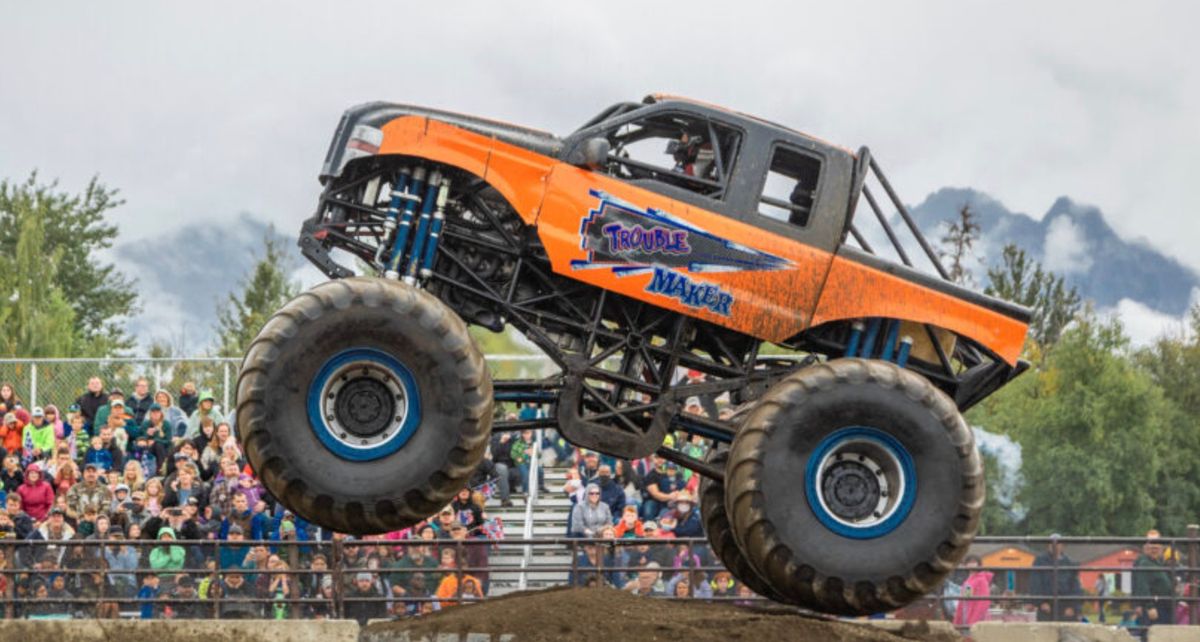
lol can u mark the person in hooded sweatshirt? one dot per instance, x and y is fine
(590, 516)
(977, 584)
(168, 556)
(37, 495)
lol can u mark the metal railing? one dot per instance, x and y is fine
(532, 486)
(304, 579)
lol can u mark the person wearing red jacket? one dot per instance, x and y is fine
(629, 525)
(10, 433)
(37, 495)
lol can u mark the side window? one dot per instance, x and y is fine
(682, 150)
(790, 186)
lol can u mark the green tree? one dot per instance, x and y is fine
(1173, 363)
(266, 289)
(75, 229)
(36, 317)
(959, 245)
(1022, 280)
(1092, 429)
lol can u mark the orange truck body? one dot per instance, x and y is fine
(790, 286)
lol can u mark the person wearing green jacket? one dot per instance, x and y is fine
(167, 557)
(207, 408)
(1153, 581)
(38, 437)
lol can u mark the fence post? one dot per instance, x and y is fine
(33, 384)
(225, 392)
(214, 585)
(1193, 531)
(157, 377)
(1054, 581)
(337, 579)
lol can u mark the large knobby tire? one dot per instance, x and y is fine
(720, 534)
(364, 405)
(807, 504)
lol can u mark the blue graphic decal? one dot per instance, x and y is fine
(690, 293)
(628, 240)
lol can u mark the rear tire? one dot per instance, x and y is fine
(855, 487)
(720, 533)
(364, 405)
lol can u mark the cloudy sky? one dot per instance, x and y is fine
(200, 112)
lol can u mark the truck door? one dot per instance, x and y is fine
(656, 224)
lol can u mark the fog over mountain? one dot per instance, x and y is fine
(185, 275)
(1073, 240)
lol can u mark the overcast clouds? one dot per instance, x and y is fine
(200, 111)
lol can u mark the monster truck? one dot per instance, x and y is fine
(668, 256)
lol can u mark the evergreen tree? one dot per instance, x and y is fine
(35, 315)
(1022, 280)
(265, 291)
(959, 244)
(75, 230)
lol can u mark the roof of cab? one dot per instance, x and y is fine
(661, 97)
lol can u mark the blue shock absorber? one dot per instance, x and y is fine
(418, 247)
(399, 183)
(889, 341)
(905, 348)
(869, 340)
(411, 198)
(435, 230)
(856, 330)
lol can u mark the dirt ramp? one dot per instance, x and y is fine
(602, 614)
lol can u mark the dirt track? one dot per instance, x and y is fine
(607, 615)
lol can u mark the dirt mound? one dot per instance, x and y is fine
(607, 614)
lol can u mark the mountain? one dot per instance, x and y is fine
(184, 275)
(1073, 240)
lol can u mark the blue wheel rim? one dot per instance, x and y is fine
(894, 457)
(398, 380)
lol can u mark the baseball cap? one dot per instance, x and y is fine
(115, 392)
(10, 418)
(121, 487)
(363, 577)
(155, 406)
(38, 411)
(91, 465)
(207, 395)
(235, 529)
(73, 408)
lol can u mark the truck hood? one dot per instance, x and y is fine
(376, 114)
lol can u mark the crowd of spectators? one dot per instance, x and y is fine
(109, 483)
(652, 501)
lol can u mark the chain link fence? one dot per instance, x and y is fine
(39, 382)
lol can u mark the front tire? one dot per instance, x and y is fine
(364, 405)
(855, 487)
